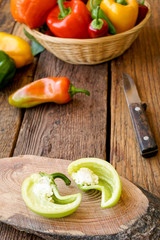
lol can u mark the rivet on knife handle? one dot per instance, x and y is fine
(144, 134)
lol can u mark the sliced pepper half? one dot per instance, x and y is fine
(40, 193)
(94, 173)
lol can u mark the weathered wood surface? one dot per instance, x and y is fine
(78, 129)
(67, 131)
(132, 209)
(142, 62)
(52, 130)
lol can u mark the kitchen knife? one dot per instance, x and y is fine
(137, 109)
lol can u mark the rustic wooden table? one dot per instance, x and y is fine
(98, 125)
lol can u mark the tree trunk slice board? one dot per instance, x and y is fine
(142, 63)
(89, 221)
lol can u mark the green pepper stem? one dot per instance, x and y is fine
(62, 176)
(63, 11)
(73, 90)
(141, 2)
(97, 15)
(57, 175)
(91, 3)
(122, 2)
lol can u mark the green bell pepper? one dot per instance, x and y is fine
(94, 173)
(102, 15)
(7, 69)
(40, 193)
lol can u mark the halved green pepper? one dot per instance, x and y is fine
(40, 193)
(94, 173)
(7, 69)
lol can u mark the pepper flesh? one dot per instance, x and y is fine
(71, 22)
(32, 13)
(98, 32)
(142, 12)
(17, 48)
(7, 69)
(123, 17)
(40, 193)
(52, 89)
(109, 181)
(98, 27)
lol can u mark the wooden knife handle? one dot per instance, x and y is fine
(144, 134)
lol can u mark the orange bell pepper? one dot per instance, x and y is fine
(51, 89)
(123, 17)
(32, 13)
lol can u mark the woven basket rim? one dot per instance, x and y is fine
(51, 39)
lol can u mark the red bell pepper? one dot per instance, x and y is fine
(98, 27)
(142, 12)
(69, 19)
(52, 89)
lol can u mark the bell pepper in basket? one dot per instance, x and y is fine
(98, 27)
(52, 89)
(69, 19)
(17, 48)
(40, 193)
(123, 14)
(95, 173)
(101, 15)
(32, 13)
(142, 11)
(7, 69)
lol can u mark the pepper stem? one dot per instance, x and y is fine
(63, 11)
(122, 2)
(62, 176)
(141, 2)
(91, 3)
(97, 23)
(57, 175)
(94, 4)
(73, 90)
(97, 15)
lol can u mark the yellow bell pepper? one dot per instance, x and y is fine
(17, 48)
(123, 17)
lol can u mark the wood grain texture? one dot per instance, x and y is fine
(142, 63)
(73, 130)
(6, 20)
(82, 224)
(41, 142)
(11, 120)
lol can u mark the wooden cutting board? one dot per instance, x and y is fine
(136, 210)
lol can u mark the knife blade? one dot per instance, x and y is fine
(145, 138)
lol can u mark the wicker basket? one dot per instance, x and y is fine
(90, 51)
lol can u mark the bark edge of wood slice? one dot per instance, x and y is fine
(137, 212)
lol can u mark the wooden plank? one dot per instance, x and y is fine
(141, 61)
(6, 20)
(73, 130)
(7, 128)
(11, 120)
(11, 117)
